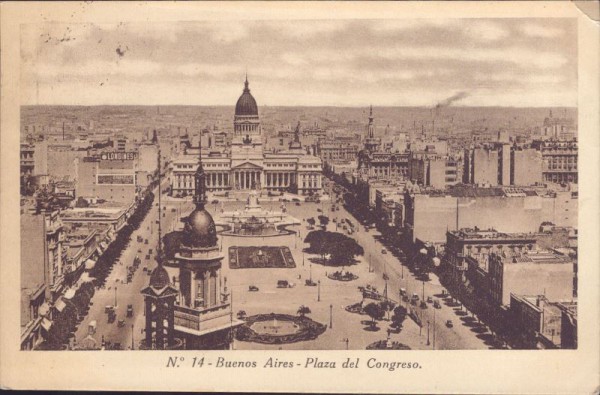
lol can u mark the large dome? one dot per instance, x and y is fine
(246, 105)
(200, 229)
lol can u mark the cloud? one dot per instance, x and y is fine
(486, 31)
(98, 68)
(535, 30)
(398, 62)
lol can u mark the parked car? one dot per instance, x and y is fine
(384, 251)
(423, 304)
(284, 284)
(402, 291)
(437, 304)
(429, 299)
(252, 288)
(449, 324)
(129, 310)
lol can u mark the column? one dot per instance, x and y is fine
(206, 288)
(171, 320)
(159, 327)
(193, 290)
(148, 322)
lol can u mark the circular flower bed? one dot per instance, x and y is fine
(339, 276)
(355, 308)
(306, 329)
(383, 345)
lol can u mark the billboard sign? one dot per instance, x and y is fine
(119, 155)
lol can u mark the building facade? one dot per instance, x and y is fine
(532, 273)
(245, 164)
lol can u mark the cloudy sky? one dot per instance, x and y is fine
(488, 62)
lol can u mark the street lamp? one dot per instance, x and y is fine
(428, 332)
(115, 296)
(423, 289)
(346, 340)
(318, 290)
(132, 343)
(434, 329)
(330, 316)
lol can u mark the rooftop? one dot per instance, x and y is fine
(536, 256)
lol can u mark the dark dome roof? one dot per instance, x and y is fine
(200, 229)
(246, 105)
(159, 278)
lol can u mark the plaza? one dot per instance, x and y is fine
(327, 300)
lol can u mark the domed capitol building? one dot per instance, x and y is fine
(245, 165)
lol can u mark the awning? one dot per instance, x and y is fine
(89, 264)
(60, 305)
(46, 324)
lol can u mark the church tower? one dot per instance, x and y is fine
(203, 316)
(371, 143)
(159, 296)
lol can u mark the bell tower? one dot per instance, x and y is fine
(159, 295)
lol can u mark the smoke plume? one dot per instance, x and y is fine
(451, 99)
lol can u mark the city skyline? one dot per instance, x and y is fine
(349, 63)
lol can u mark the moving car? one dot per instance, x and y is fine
(384, 251)
(449, 324)
(129, 310)
(252, 288)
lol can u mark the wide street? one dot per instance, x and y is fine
(116, 288)
(326, 301)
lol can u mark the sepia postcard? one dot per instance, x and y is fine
(359, 197)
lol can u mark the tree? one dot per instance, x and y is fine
(303, 310)
(387, 305)
(340, 248)
(311, 221)
(324, 220)
(81, 203)
(399, 315)
(374, 311)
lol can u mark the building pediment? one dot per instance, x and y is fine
(247, 166)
